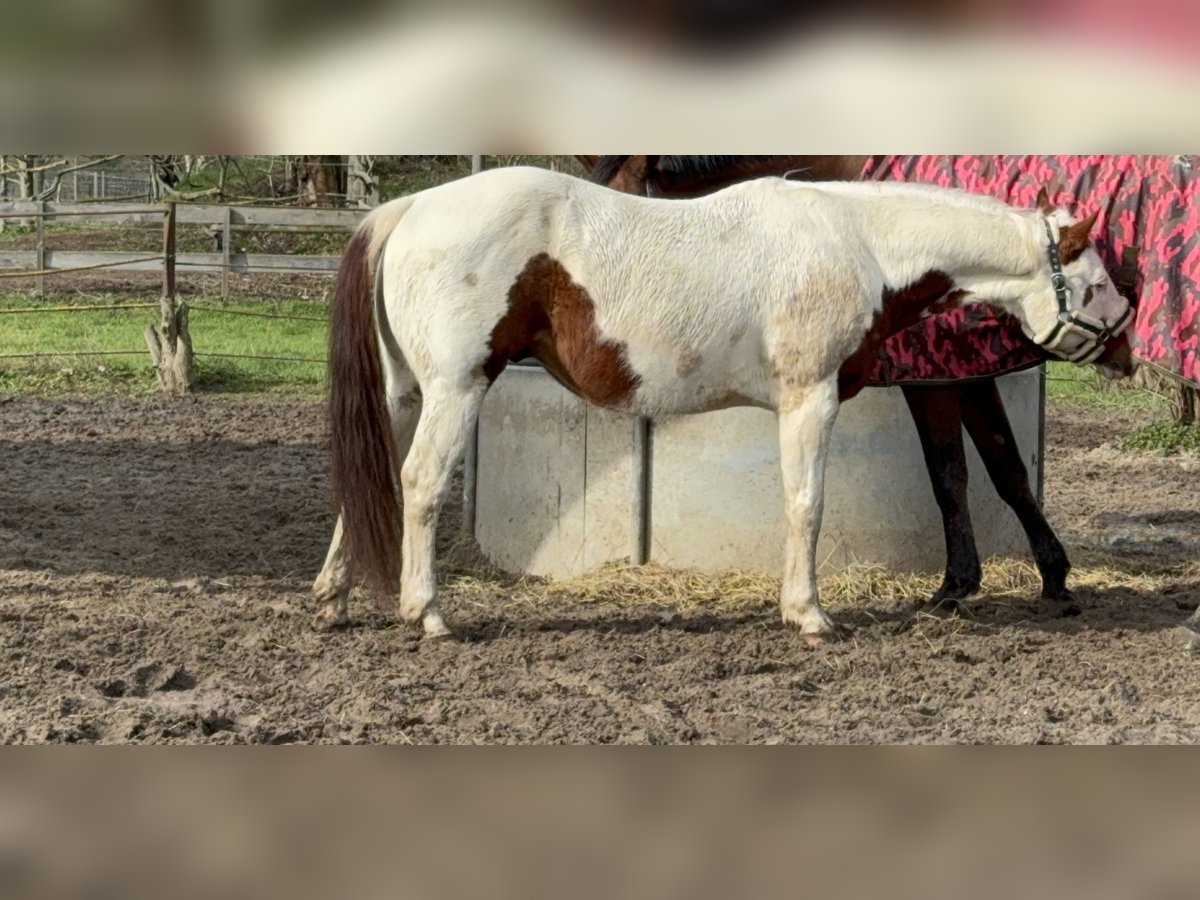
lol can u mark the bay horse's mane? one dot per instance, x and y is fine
(702, 174)
(607, 168)
(698, 166)
(674, 169)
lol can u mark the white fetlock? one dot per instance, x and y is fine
(412, 613)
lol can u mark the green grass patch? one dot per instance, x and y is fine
(62, 340)
(1084, 386)
(1164, 439)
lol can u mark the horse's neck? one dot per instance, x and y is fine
(980, 249)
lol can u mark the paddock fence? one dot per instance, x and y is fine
(221, 221)
(169, 344)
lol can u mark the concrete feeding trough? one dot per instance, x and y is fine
(562, 487)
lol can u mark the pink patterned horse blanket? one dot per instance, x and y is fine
(1145, 202)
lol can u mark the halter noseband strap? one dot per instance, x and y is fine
(1090, 333)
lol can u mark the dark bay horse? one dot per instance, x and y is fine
(940, 412)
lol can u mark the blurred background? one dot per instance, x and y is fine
(261, 75)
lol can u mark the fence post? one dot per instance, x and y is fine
(1184, 405)
(226, 252)
(169, 251)
(639, 550)
(471, 462)
(41, 246)
(170, 344)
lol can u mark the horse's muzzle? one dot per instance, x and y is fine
(1079, 337)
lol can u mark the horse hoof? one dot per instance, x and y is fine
(1057, 593)
(835, 635)
(810, 621)
(329, 619)
(435, 628)
(1191, 634)
(823, 639)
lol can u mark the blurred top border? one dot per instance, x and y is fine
(763, 76)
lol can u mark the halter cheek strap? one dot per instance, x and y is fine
(1089, 333)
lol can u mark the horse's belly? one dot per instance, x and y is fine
(689, 380)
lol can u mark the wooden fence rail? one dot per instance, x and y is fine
(221, 220)
(187, 214)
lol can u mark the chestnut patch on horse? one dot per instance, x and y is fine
(933, 291)
(553, 319)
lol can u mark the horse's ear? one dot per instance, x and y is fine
(1075, 238)
(1043, 202)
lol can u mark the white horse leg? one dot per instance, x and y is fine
(332, 586)
(447, 419)
(805, 421)
(1193, 626)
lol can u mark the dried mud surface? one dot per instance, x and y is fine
(155, 560)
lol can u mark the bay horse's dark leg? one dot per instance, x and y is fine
(987, 423)
(938, 417)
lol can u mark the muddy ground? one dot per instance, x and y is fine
(155, 559)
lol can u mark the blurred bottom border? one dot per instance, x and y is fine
(976, 822)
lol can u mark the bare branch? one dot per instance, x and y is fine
(69, 168)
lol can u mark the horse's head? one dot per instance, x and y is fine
(1079, 314)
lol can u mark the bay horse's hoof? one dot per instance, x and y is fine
(1058, 593)
(952, 591)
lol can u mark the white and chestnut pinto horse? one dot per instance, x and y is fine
(756, 295)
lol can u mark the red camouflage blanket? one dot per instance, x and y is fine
(1148, 202)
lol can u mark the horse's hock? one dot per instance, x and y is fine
(560, 482)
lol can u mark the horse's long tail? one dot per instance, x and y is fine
(363, 467)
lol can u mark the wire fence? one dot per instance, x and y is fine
(223, 220)
(84, 206)
(93, 186)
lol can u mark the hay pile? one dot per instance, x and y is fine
(467, 575)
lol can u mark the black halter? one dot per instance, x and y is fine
(1096, 334)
